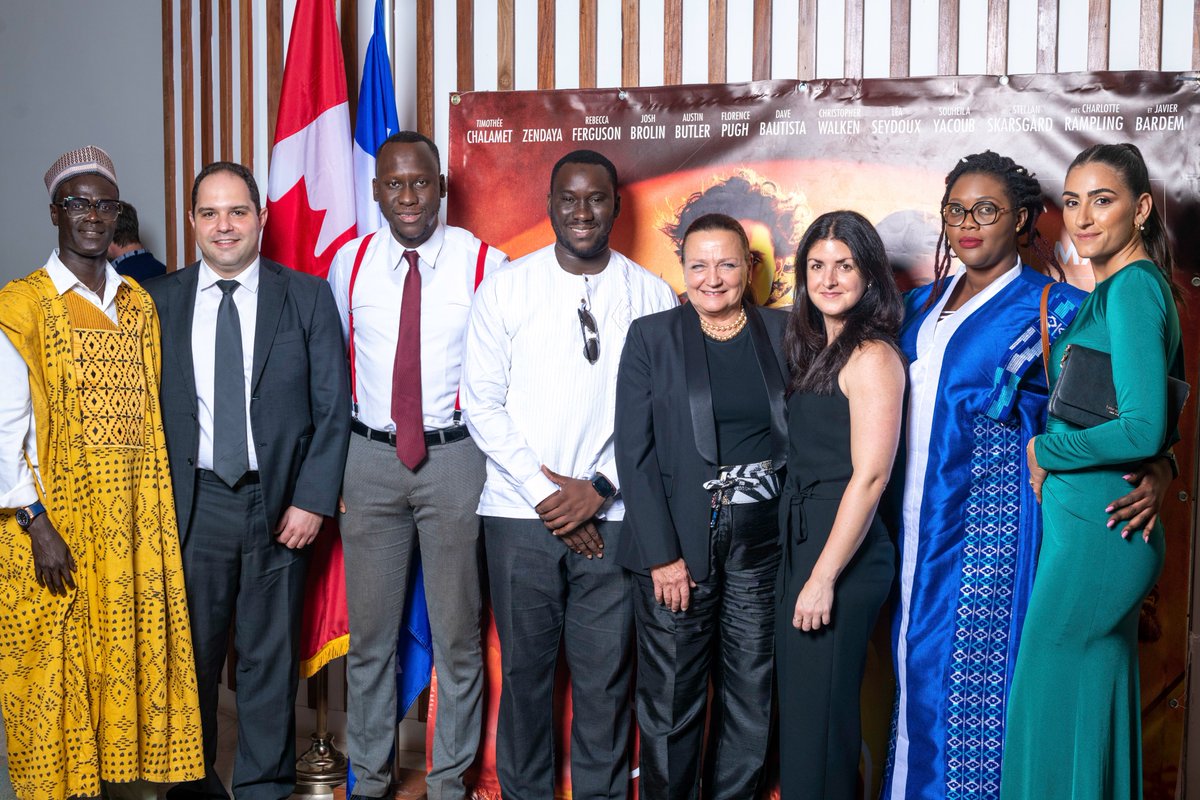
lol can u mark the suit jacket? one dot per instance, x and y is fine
(299, 390)
(141, 267)
(666, 436)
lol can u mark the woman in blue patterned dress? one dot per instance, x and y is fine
(969, 524)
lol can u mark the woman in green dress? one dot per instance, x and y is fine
(1074, 721)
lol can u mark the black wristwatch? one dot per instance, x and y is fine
(26, 515)
(603, 486)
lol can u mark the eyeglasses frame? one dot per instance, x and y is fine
(970, 212)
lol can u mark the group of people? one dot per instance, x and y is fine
(700, 489)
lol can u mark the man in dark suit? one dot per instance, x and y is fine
(127, 253)
(254, 396)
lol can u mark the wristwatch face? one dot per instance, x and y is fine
(603, 486)
(23, 518)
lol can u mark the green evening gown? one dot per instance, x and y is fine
(1074, 719)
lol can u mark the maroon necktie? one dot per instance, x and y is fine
(406, 371)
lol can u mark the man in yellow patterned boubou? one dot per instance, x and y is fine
(97, 679)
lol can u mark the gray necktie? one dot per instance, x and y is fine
(230, 459)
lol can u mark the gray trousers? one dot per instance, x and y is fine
(389, 508)
(544, 594)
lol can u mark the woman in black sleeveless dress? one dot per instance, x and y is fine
(844, 411)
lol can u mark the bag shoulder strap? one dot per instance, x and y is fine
(1046, 331)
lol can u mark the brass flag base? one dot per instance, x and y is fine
(322, 766)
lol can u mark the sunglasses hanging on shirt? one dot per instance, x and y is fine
(591, 336)
(587, 324)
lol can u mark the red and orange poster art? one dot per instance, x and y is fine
(775, 155)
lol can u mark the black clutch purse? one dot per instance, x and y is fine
(1085, 395)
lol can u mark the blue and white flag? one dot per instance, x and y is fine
(377, 120)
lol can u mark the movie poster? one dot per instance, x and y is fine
(775, 154)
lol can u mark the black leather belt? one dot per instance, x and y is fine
(432, 438)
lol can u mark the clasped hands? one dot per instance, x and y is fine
(570, 514)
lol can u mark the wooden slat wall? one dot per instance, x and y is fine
(168, 84)
(806, 41)
(1196, 42)
(274, 61)
(506, 45)
(465, 56)
(948, 37)
(187, 102)
(717, 33)
(545, 44)
(246, 86)
(1097, 50)
(673, 42)
(1150, 35)
(225, 65)
(348, 25)
(218, 93)
(630, 43)
(587, 43)
(853, 58)
(901, 19)
(997, 37)
(760, 69)
(1047, 36)
(425, 66)
(206, 83)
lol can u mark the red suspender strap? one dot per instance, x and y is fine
(480, 263)
(358, 259)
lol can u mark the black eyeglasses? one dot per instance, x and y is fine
(80, 206)
(591, 336)
(984, 212)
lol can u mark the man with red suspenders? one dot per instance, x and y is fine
(413, 474)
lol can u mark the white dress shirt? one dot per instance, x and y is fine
(447, 262)
(204, 350)
(18, 439)
(529, 394)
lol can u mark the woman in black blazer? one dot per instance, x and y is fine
(701, 439)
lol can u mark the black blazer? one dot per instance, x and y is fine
(141, 267)
(666, 437)
(299, 390)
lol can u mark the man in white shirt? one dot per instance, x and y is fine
(254, 393)
(413, 474)
(543, 346)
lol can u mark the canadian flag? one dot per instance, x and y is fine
(310, 187)
(310, 199)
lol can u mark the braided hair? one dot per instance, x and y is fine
(1126, 160)
(1023, 192)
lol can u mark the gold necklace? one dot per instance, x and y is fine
(723, 333)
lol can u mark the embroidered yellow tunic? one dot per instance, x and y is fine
(101, 683)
